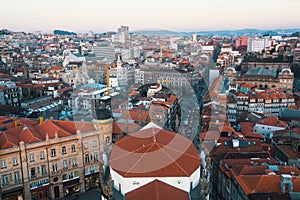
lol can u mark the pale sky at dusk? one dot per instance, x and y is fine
(185, 15)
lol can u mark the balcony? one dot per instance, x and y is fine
(44, 173)
(55, 172)
(5, 184)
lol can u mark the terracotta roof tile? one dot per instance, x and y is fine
(29, 131)
(8, 140)
(254, 184)
(154, 152)
(210, 135)
(157, 190)
(272, 121)
(289, 151)
(121, 127)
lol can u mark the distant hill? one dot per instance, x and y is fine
(62, 32)
(247, 32)
(158, 32)
(5, 32)
(296, 34)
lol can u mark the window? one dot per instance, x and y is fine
(73, 149)
(15, 161)
(3, 164)
(74, 162)
(32, 172)
(42, 155)
(94, 143)
(107, 139)
(65, 164)
(86, 145)
(64, 150)
(54, 167)
(17, 176)
(4, 179)
(87, 158)
(43, 169)
(31, 157)
(96, 156)
(53, 152)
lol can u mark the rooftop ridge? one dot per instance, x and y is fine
(175, 161)
(140, 158)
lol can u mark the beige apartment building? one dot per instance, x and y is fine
(53, 158)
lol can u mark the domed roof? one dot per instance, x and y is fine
(103, 113)
(154, 152)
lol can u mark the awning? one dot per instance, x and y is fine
(71, 183)
(40, 188)
(16, 189)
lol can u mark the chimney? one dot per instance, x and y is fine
(286, 179)
(17, 123)
(41, 119)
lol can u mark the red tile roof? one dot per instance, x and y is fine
(246, 127)
(210, 135)
(30, 131)
(272, 121)
(135, 114)
(154, 152)
(223, 149)
(8, 140)
(254, 135)
(59, 68)
(72, 127)
(254, 184)
(226, 129)
(287, 149)
(247, 85)
(122, 127)
(157, 190)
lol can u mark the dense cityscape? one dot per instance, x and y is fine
(150, 115)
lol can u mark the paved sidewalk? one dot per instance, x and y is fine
(90, 195)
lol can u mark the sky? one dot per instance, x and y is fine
(183, 15)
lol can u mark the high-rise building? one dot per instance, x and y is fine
(106, 52)
(123, 32)
(258, 44)
(122, 36)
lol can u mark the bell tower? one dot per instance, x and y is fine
(103, 123)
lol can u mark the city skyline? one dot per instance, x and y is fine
(191, 15)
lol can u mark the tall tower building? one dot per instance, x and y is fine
(103, 122)
(194, 37)
(123, 33)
